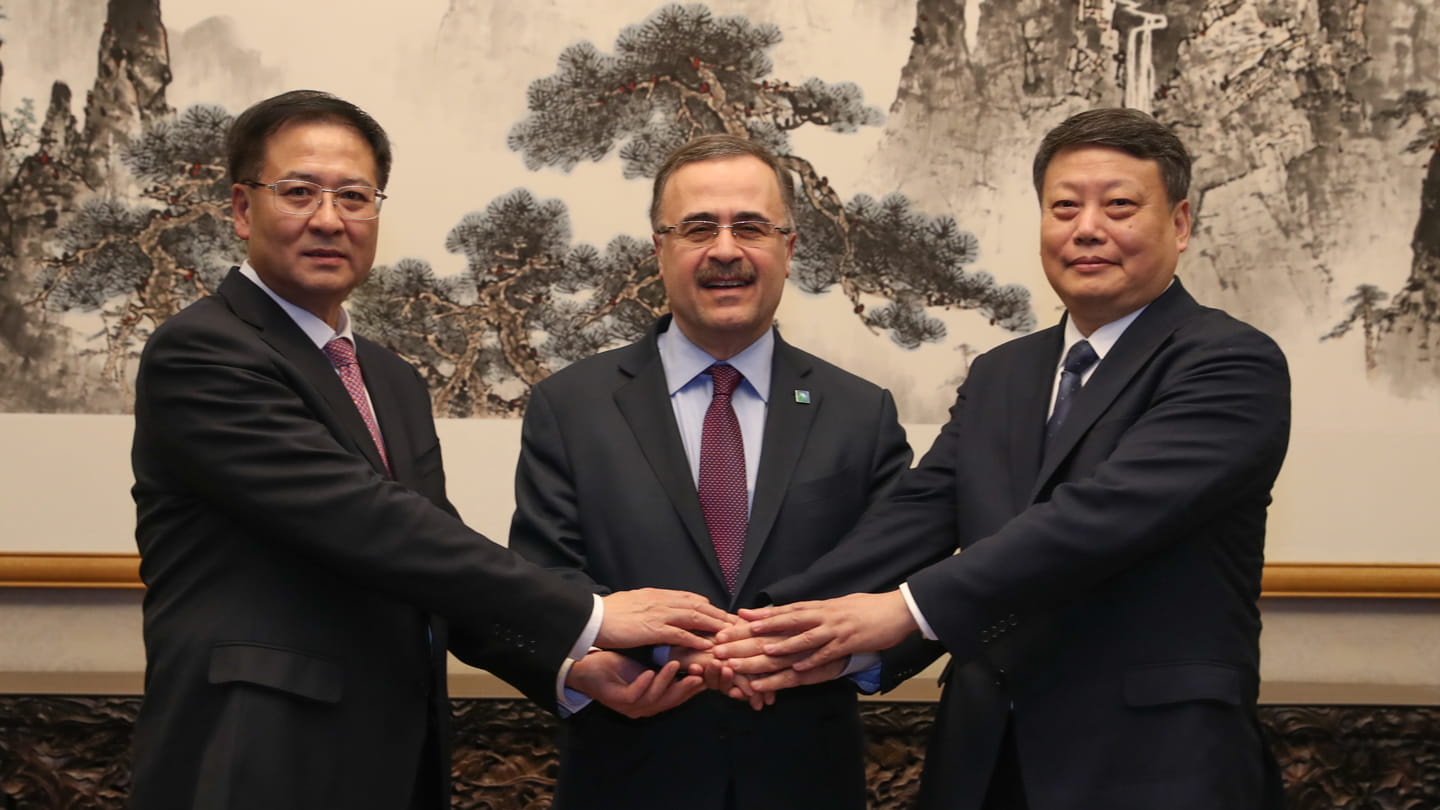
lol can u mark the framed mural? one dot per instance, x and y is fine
(515, 240)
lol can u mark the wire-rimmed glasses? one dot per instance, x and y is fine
(301, 198)
(698, 232)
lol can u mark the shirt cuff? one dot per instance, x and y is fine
(925, 629)
(863, 670)
(569, 700)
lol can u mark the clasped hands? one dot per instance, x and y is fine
(748, 657)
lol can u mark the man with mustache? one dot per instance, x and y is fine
(713, 457)
(1105, 482)
(305, 572)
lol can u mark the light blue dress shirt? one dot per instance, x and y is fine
(691, 389)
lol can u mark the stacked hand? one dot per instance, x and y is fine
(628, 686)
(657, 616)
(758, 652)
(808, 642)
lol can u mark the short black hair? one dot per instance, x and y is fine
(719, 147)
(1131, 131)
(245, 142)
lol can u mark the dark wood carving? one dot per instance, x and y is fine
(59, 753)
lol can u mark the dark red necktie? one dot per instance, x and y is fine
(342, 355)
(722, 475)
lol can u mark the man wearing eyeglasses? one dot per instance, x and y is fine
(305, 571)
(711, 456)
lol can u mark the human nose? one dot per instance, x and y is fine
(1089, 226)
(725, 248)
(326, 216)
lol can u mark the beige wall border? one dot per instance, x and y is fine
(1282, 579)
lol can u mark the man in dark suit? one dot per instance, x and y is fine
(305, 571)
(1109, 507)
(617, 488)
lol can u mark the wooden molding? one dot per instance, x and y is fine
(1282, 579)
(65, 570)
(1352, 580)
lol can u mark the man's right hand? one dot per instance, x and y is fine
(657, 616)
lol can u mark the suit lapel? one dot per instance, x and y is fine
(276, 328)
(1130, 354)
(644, 401)
(388, 413)
(787, 425)
(1029, 398)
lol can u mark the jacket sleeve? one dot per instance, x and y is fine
(223, 416)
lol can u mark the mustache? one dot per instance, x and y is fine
(712, 273)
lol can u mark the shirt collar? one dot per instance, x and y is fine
(1104, 338)
(683, 360)
(314, 328)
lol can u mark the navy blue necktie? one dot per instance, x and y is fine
(1080, 357)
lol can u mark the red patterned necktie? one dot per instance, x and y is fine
(722, 475)
(342, 355)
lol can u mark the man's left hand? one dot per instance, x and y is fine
(630, 688)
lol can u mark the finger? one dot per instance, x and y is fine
(830, 652)
(790, 622)
(633, 690)
(719, 677)
(666, 692)
(812, 639)
(736, 631)
(741, 682)
(690, 601)
(676, 636)
(755, 614)
(698, 619)
(743, 648)
(661, 682)
(757, 700)
(758, 663)
(784, 679)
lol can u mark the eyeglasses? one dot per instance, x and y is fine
(301, 198)
(702, 232)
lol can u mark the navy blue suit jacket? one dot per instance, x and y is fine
(1106, 584)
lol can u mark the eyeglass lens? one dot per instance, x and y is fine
(303, 197)
(701, 232)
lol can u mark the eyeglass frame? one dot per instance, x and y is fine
(380, 198)
(784, 230)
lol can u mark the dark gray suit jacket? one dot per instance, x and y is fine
(605, 497)
(1106, 586)
(293, 654)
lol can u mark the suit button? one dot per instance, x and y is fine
(1000, 676)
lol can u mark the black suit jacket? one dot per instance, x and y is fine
(1106, 585)
(605, 497)
(292, 655)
